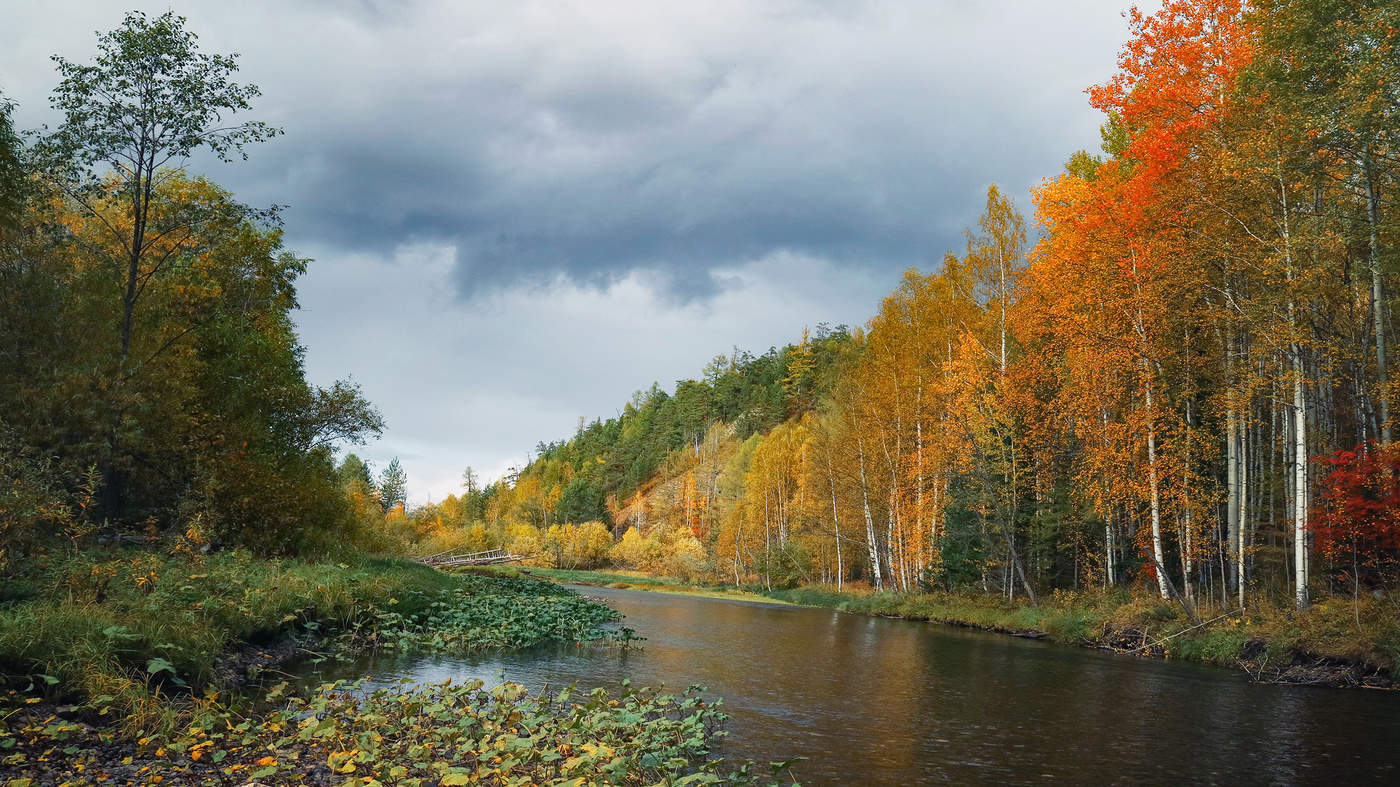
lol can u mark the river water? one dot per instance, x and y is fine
(878, 701)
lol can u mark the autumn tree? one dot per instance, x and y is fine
(1358, 513)
(1133, 400)
(13, 172)
(1332, 69)
(987, 277)
(148, 102)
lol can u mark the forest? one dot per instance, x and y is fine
(1176, 376)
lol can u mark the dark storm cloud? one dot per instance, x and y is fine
(522, 212)
(600, 139)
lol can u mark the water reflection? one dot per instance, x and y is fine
(875, 701)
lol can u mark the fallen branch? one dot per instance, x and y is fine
(1183, 631)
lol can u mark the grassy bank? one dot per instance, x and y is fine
(128, 630)
(636, 580)
(1335, 642)
(124, 628)
(121, 666)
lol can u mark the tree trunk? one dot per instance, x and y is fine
(1232, 479)
(1020, 572)
(1155, 496)
(1109, 568)
(835, 521)
(1378, 301)
(871, 544)
(1242, 499)
(897, 577)
(1300, 482)
(919, 488)
(1300, 416)
(767, 545)
(1187, 541)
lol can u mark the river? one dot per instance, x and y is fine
(878, 701)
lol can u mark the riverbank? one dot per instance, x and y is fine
(623, 579)
(131, 666)
(1336, 642)
(126, 627)
(408, 734)
(1333, 643)
(874, 700)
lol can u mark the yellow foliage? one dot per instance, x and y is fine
(523, 539)
(638, 551)
(577, 546)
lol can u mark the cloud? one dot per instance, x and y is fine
(596, 139)
(523, 211)
(481, 383)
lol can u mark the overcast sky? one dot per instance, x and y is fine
(522, 212)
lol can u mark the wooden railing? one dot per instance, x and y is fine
(457, 557)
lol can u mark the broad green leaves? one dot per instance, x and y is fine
(150, 100)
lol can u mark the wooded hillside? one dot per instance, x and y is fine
(1179, 377)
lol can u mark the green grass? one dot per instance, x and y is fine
(636, 580)
(134, 637)
(1364, 633)
(585, 577)
(126, 630)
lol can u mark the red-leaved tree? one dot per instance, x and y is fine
(1357, 518)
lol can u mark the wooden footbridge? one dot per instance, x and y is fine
(459, 557)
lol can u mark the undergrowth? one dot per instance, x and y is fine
(409, 734)
(132, 634)
(135, 638)
(1363, 632)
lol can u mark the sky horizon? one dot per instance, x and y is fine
(522, 213)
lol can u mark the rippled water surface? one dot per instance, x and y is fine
(877, 701)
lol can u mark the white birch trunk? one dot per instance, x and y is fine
(1154, 493)
(1187, 559)
(871, 544)
(1232, 480)
(896, 566)
(1300, 482)
(1300, 419)
(767, 545)
(1155, 497)
(919, 489)
(1108, 551)
(1378, 302)
(1242, 499)
(835, 521)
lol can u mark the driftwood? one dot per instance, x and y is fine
(1147, 647)
(457, 557)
